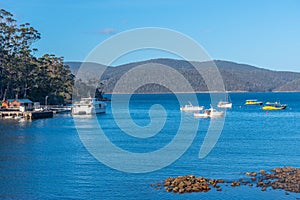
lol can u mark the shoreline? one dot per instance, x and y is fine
(205, 92)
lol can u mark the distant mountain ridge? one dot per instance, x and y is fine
(236, 77)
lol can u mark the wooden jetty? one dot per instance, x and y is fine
(26, 114)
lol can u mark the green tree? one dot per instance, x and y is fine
(24, 75)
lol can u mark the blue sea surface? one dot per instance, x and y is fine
(45, 159)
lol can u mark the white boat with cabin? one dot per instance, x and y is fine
(88, 106)
(209, 113)
(190, 108)
(225, 104)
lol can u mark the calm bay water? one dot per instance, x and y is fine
(45, 159)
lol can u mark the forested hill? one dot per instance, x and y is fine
(236, 77)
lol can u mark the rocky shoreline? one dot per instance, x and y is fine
(285, 178)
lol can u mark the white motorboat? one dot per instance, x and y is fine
(209, 113)
(190, 108)
(88, 106)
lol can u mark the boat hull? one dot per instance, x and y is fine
(225, 105)
(255, 104)
(204, 115)
(191, 109)
(88, 111)
(273, 108)
(209, 113)
(201, 115)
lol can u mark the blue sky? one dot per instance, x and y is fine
(264, 33)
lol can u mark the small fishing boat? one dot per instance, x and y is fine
(190, 108)
(274, 106)
(209, 113)
(88, 106)
(253, 102)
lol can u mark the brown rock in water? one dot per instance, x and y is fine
(285, 169)
(285, 178)
(260, 183)
(168, 181)
(188, 183)
(173, 184)
(277, 170)
(188, 189)
(253, 174)
(221, 181)
(191, 176)
(181, 190)
(205, 187)
(235, 183)
(175, 189)
(268, 176)
(196, 189)
(181, 185)
(213, 182)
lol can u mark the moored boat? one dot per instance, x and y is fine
(209, 113)
(88, 106)
(274, 106)
(225, 104)
(190, 108)
(253, 102)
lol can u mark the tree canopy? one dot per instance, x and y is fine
(22, 74)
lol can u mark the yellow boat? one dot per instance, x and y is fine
(274, 106)
(253, 102)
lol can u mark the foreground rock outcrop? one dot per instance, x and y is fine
(285, 178)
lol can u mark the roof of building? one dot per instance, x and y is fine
(20, 100)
